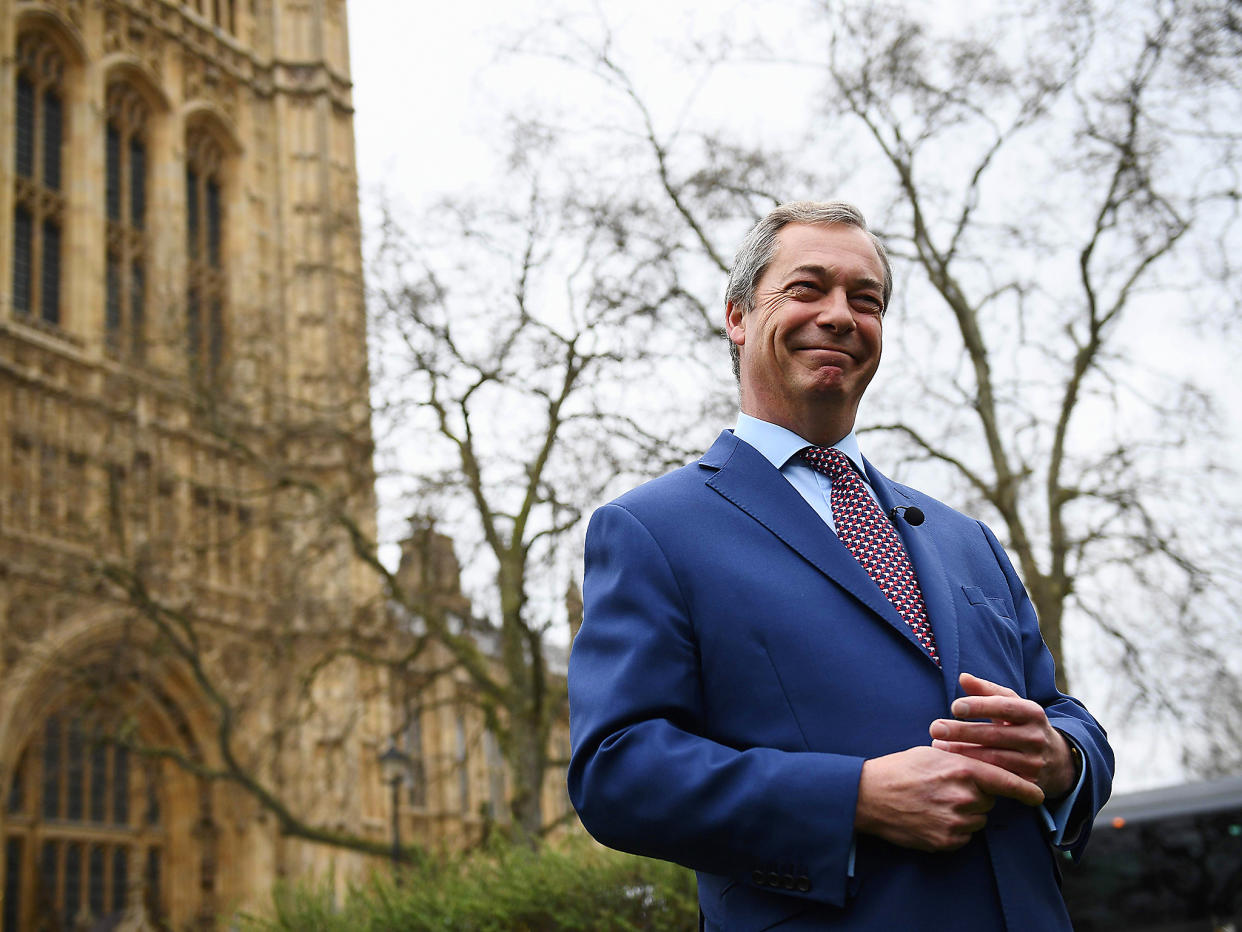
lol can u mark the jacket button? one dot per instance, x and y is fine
(774, 880)
(787, 881)
(758, 877)
(804, 884)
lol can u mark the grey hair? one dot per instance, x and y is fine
(759, 247)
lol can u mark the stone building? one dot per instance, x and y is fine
(459, 788)
(186, 710)
(184, 440)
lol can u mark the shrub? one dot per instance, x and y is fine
(574, 886)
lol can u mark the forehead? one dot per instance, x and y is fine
(839, 248)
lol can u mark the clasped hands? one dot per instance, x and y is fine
(934, 798)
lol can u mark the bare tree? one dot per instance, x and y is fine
(515, 340)
(1058, 188)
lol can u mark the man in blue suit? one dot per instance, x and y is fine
(825, 692)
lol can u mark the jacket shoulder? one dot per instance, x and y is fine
(681, 485)
(665, 490)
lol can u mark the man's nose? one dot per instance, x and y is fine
(834, 311)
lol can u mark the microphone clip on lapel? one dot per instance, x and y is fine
(912, 513)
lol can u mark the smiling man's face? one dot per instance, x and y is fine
(811, 345)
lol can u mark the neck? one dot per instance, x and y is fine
(822, 428)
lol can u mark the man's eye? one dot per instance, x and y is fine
(868, 303)
(803, 287)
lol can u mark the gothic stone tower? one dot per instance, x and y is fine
(183, 440)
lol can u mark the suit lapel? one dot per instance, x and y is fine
(928, 567)
(745, 478)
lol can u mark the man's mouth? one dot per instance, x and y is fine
(829, 350)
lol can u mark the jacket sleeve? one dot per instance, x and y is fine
(645, 774)
(1065, 713)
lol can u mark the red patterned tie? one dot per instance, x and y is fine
(873, 540)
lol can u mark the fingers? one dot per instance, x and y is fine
(924, 798)
(1012, 709)
(1019, 737)
(1007, 732)
(998, 781)
(977, 686)
(985, 699)
(1024, 765)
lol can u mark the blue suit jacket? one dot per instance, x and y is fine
(736, 666)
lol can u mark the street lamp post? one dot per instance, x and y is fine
(395, 770)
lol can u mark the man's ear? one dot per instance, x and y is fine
(735, 323)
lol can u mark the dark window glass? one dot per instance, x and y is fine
(52, 132)
(113, 173)
(73, 883)
(49, 297)
(39, 209)
(112, 302)
(23, 249)
(153, 802)
(12, 885)
(95, 881)
(137, 298)
(216, 349)
(194, 328)
(213, 224)
(17, 789)
(153, 881)
(99, 782)
(137, 183)
(191, 212)
(120, 875)
(25, 127)
(75, 771)
(51, 769)
(120, 787)
(49, 862)
(126, 190)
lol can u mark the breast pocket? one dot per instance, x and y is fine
(991, 643)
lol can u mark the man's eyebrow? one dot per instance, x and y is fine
(830, 272)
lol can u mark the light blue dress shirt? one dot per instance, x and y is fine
(779, 446)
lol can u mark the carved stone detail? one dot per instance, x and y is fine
(206, 80)
(134, 31)
(71, 9)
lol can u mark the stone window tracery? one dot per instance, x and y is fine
(84, 832)
(39, 201)
(126, 204)
(220, 13)
(205, 221)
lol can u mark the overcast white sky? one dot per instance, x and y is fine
(430, 81)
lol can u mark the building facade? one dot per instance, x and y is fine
(459, 788)
(184, 445)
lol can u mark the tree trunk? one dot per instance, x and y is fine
(527, 762)
(1048, 596)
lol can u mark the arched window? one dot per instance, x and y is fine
(84, 833)
(39, 202)
(126, 203)
(205, 297)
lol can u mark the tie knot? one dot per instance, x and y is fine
(829, 460)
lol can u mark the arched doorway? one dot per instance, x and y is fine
(98, 822)
(84, 829)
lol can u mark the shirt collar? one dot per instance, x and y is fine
(779, 444)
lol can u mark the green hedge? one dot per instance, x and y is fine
(575, 886)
